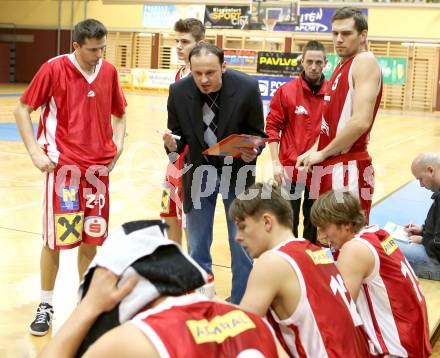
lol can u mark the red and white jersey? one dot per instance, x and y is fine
(173, 179)
(338, 107)
(192, 326)
(391, 303)
(181, 73)
(76, 108)
(325, 322)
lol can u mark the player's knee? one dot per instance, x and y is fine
(87, 250)
(46, 251)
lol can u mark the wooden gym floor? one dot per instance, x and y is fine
(135, 194)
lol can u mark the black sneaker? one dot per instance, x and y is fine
(43, 320)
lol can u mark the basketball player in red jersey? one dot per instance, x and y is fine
(378, 276)
(189, 32)
(341, 160)
(294, 282)
(81, 133)
(175, 327)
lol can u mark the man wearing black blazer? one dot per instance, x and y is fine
(203, 109)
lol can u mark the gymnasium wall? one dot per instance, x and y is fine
(408, 20)
(4, 62)
(30, 55)
(40, 18)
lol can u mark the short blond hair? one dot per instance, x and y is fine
(337, 207)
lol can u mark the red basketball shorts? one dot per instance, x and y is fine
(76, 208)
(172, 198)
(355, 176)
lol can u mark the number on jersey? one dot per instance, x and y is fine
(408, 272)
(338, 286)
(335, 84)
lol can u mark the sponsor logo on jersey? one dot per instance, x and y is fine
(389, 245)
(320, 257)
(221, 327)
(91, 94)
(300, 110)
(165, 203)
(95, 226)
(324, 127)
(69, 198)
(251, 353)
(68, 228)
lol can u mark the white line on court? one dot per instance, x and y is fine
(6, 210)
(12, 153)
(27, 183)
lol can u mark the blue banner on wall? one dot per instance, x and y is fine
(270, 84)
(164, 16)
(313, 19)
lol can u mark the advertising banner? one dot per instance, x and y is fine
(279, 63)
(393, 68)
(269, 85)
(332, 62)
(240, 57)
(157, 79)
(317, 19)
(287, 18)
(124, 75)
(227, 17)
(163, 16)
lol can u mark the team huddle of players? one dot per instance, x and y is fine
(297, 301)
(368, 305)
(371, 303)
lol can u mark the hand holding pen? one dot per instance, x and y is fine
(169, 139)
(413, 229)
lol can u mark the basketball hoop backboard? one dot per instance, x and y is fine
(275, 14)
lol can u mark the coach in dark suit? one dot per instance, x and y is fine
(203, 109)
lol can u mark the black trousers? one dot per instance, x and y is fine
(309, 231)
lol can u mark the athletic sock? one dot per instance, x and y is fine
(46, 297)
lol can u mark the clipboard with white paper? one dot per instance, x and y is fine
(397, 232)
(229, 145)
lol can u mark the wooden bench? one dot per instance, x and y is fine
(431, 290)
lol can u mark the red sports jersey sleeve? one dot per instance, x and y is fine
(118, 99)
(40, 88)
